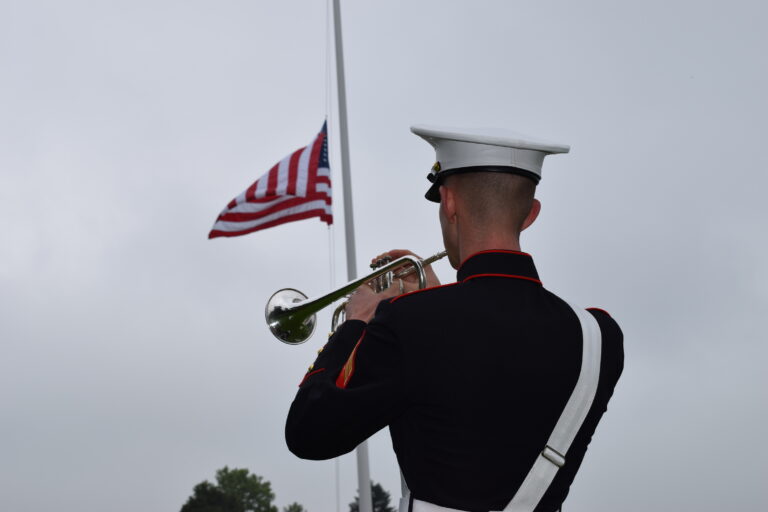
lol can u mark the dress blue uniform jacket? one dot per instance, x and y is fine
(470, 377)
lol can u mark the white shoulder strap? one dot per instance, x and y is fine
(552, 457)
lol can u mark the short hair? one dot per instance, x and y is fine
(496, 200)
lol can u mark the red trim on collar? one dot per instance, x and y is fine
(489, 251)
(533, 279)
(422, 290)
(598, 309)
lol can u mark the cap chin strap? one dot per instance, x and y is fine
(552, 457)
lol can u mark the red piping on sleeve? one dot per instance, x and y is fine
(309, 375)
(393, 299)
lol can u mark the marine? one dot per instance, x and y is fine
(492, 386)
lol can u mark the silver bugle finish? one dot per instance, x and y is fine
(292, 317)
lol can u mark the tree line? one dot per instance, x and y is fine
(238, 490)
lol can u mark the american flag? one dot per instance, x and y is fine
(298, 187)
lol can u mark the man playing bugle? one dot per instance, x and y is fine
(492, 386)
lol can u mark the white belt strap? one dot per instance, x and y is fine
(552, 457)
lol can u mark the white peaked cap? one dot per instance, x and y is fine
(462, 150)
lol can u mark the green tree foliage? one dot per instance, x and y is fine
(206, 497)
(251, 491)
(380, 499)
(236, 490)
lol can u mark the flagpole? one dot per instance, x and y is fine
(363, 470)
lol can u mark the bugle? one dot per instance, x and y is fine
(292, 317)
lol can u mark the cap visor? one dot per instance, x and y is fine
(433, 194)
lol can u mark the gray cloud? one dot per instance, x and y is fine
(133, 358)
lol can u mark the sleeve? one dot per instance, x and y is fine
(613, 344)
(354, 389)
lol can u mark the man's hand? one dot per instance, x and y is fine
(362, 303)
(412, 279)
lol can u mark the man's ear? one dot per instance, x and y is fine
(447, 203)
(535, 209)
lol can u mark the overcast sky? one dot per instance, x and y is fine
(134, 359)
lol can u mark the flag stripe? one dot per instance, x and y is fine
(250, 192)
(303, 177)
(293, 189)
(243, 216)
(293, 172)
(298, 208)
(314, 160)
(282, 176)
(272, 179)
(318, 206)
(323, 189)
(283, 220)
(261, 185)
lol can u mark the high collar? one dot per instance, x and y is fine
(498, 263)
